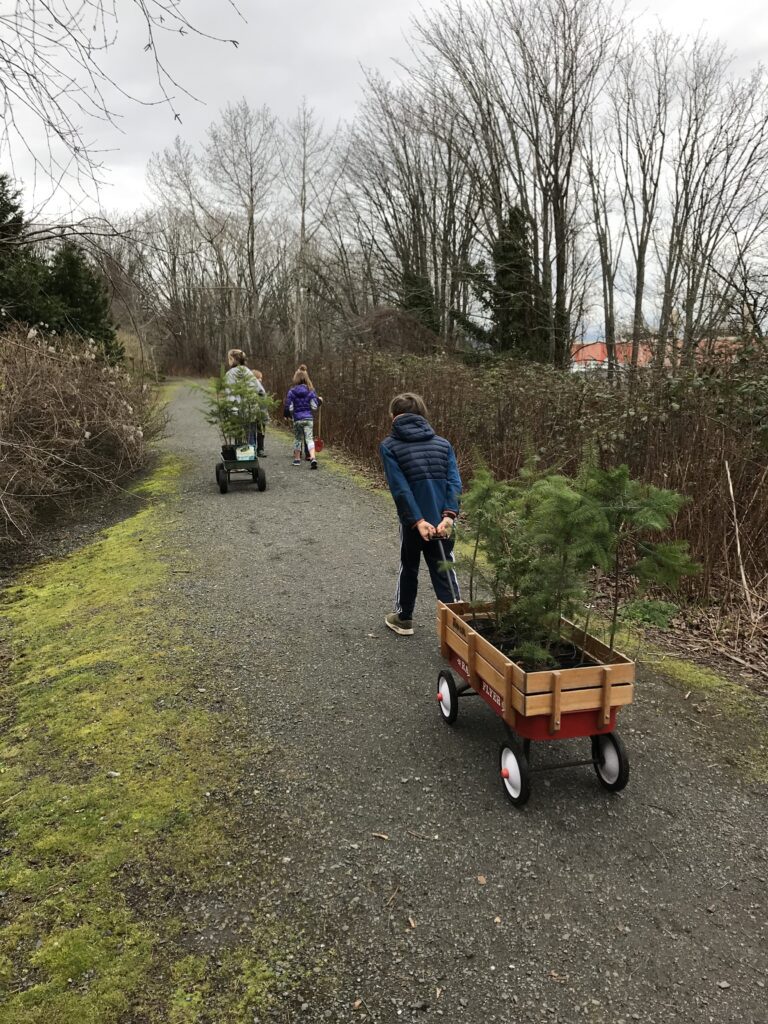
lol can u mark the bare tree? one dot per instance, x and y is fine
(530, 76)
(312, 169)
(240, 167)
(717, 189)
(599, 166)
(55, 71)
(643, 98)
(410, 185)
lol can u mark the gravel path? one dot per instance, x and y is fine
(646, 906)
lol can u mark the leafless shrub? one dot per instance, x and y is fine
(677, 432)
(69, 424)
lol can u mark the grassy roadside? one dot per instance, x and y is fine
(712, 694)
(109, 843)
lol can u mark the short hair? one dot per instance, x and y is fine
(408, 402)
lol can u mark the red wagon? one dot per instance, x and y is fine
(549, 705)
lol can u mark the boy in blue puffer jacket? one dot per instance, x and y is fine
(425, 484)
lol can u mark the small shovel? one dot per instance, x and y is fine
(319, 443)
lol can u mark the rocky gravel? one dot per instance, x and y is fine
(423, 893)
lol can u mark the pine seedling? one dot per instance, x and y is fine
(569, 526)
(236, 408)
(634, 510)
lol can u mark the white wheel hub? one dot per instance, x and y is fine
(445, 696)
(510, 772)
(610, 768)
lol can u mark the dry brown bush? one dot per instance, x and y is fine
(676, 433)
(69, 424)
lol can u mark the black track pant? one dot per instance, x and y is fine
(412, 547)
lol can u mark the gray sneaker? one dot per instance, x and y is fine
(404, 627)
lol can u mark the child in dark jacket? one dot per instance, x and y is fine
(425, 484)
(301, 403)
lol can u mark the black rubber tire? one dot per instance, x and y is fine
(223, 480)
(518, 790)
(261, 479)
(446, 685)
(219, 467)
(615, 775)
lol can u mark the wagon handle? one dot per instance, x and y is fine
(448, 572)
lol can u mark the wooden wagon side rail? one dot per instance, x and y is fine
(510, 690)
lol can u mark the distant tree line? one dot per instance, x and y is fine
(538, 173)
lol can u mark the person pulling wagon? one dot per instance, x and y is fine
(239, 371)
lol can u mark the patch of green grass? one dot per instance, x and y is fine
(745, 710)
(248, 984)
(346, 468)
(105, 762)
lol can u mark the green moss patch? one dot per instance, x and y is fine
(107, 764)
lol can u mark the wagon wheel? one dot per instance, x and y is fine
(514, 771)
(611, 761)
(223, 478)
(219, 467)
(447, 697)
(261, 479)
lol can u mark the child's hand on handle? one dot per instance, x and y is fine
(426, 530)
(445, 529)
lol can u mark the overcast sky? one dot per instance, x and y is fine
(313, 48)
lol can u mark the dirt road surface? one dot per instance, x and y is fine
(394, 845)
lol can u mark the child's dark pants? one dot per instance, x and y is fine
(412, 547)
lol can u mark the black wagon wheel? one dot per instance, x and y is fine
(611, 761)
(515, 772)
(219, 467)
(223, 478)
(447, 696)
(261, 479)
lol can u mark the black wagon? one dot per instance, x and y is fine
(242, 460)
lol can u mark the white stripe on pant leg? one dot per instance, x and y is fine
(452, 575)
(398, 606)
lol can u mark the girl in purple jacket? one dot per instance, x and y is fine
(301, 403)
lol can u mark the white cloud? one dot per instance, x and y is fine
(294, 48)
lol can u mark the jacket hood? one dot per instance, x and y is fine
(300, 389)
(410, 427)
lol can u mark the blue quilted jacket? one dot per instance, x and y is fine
(421, 471)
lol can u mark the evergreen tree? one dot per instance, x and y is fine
(418, 298)
(21, 272)
(11, 215)
(506, 292)
(77, 300)
(65, 293)
(634, 511)
(235, 407)
(538, 538)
